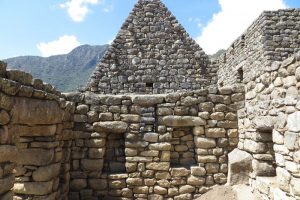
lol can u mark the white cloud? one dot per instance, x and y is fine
(233, 19)
(62, 45)
(78, 9)
(109, 8)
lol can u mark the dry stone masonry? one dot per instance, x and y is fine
(158, 120)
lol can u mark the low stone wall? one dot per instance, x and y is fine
(152, 146)
(34, 161)
(269, 128)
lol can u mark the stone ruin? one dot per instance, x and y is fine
(159, 119)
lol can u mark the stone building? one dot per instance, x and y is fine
(158, 119)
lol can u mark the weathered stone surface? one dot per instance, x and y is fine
(290, 139)
(33, 130)
(195, 181)
(35, 112)
(163, 166)
(147, 101)
(215, 132)
(186, 189)
(240, 167)
(6, 183)
(163, 146)
(182, 121)
(255, 147)
(204, 143)
(151, 137)
(283, 178)
(92, 165)
(78, 184)
(8, 153)
(295, 182)
(261, 168)
(20, 76)
(98, 184)
(179, 172)
(46, 173)
(198, 171)
(198, 130)
(293, 122)
(39, 157)
(33, 188)
(4, 117)
(111, 127)
(160, 190)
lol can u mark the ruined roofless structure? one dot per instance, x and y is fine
(158, 119)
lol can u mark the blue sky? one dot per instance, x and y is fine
(48, 27)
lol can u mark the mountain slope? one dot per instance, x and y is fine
(67, 72)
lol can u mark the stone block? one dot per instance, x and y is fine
(33, 131)
(293, 122)
(8, 153)
(180, 172)
(151, 137)
(4, 117)
(46, 173)
(148, 100)
(240, 167)
(92, 165)
(35, 156)
(35, 112)
(33, 188)
(182, 121)
(204, 143)
(6, 183)
(195, 181)
(163, 166)
(216, 132)
(111, 127)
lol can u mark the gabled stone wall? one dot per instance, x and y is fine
(198, 128)
(152, 54)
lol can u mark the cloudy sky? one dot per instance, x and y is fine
(50, 27)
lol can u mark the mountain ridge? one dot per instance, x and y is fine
(67, 72)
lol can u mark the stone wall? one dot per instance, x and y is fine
(152, 54)
(159, 146)
(34, 161)
(269, 129)
(274, 36)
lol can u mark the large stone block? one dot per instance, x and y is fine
(46, 173)
(240, 167)
(6, 184)
(35, 112)
(204, 143)
(33, 131)
(111, 127)
(8, 153)
(92, 165)
(38, 157)
(182, 121)
(98, 184)
(215, 132)
(147, 100)
(33, 188)
(255, 147)
(163, 166)
(293, 122)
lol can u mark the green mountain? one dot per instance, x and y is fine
(66, 72)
